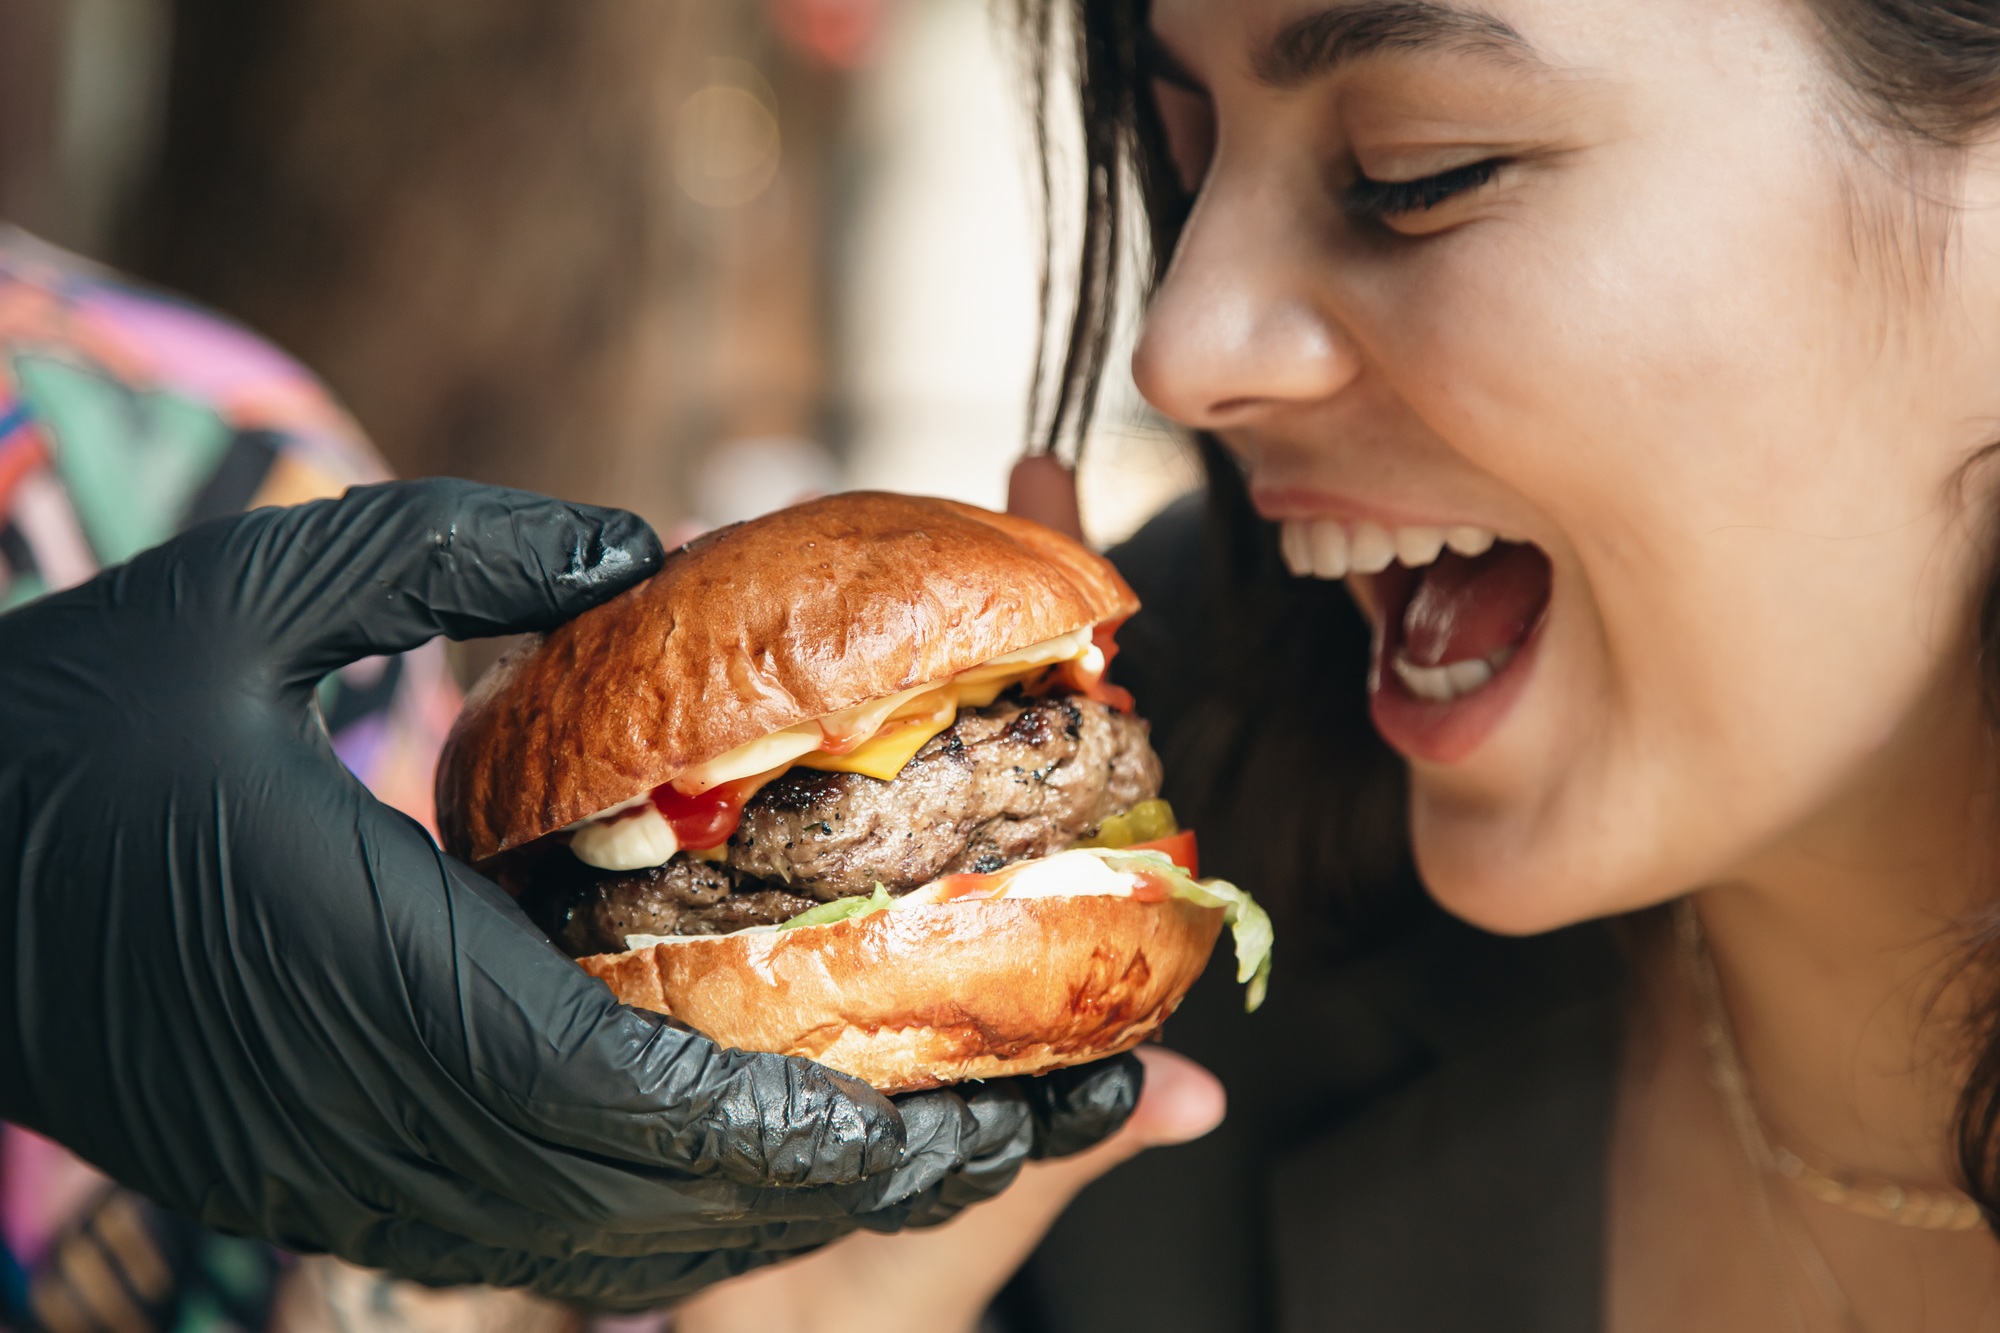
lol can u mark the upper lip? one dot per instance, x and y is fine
(1279, 503)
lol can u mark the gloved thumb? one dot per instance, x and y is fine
(385, 568)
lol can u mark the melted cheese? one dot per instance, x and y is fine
(815, 744)
(882, 755)
(877, 739)
(776, 750)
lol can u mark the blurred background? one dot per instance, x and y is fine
(695, 258)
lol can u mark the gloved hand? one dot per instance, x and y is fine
(235, 981)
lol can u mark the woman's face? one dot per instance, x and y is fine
(1630, 284)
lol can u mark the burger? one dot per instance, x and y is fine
(849, 782)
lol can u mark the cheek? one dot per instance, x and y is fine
(1743, 482)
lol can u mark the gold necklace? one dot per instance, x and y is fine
(1725, 1067)
(1883, 1200)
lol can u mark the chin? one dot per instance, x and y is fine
(1502, 903)
(1498, 876)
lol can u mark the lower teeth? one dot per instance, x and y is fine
(1452, 680)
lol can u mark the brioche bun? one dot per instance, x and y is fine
(749, 630)
(921, 996)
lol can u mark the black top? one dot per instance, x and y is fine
(1416, 1136)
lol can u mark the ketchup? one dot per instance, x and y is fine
(1070, 676)
(701, 823)
(832, 744)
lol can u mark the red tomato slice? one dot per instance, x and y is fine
(1180, 849)
(968, 883)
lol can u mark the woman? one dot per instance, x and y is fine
(1695, 308)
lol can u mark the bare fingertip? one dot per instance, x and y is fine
(1182, 1100)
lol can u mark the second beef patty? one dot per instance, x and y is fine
(1020, 778)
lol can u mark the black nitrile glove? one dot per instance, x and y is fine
(235, 981)
(1019, 1120)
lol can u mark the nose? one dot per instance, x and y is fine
(1240, 328)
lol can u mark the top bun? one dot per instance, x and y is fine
(746, 631)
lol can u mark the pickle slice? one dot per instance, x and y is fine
(1147, 821)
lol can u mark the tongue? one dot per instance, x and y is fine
(1464, 609)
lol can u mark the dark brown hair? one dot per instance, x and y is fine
(1334, 849)
(1270, 751)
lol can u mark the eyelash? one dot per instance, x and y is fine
(1376, 200)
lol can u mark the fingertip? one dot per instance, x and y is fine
(608, 550)
(1042, 488)
(1182, 1101)
(885, 1134)
(851, 1131)
(633, 537)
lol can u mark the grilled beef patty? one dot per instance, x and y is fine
(1018, 779)
(587, 911)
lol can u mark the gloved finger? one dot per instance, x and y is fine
(1024, 1119)
(1181, 1101)
(945, 1136)
(423, 1253)
(550, 1051)
(940, 1131)
(385, 568)
(1083, 1105)
(642, 1270)
(465, 1216)
(433, 1042)
(1001, 1142)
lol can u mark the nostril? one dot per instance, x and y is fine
(1226, 412)
(1235, 406)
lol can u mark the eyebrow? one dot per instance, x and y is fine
(1310, 47)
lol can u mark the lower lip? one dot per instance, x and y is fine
(1446, 732)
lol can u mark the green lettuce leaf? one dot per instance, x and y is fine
(841, 909)
(1248, 923)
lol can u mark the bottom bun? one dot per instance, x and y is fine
(916, 997)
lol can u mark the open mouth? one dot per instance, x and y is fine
(1455, 612)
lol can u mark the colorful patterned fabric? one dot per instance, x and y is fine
(125, 417)
(123, 1265)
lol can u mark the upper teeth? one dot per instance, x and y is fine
(1327, 548)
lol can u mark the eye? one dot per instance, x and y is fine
(1401, 204)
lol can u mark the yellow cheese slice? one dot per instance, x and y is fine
(882, 755)
(900, 724)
